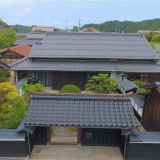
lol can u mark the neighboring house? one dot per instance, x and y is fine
(36, 36)
(22, 35)
(30, 39)
(13, 54)
(91, 29)
(19, 42)
(44, 29)
(147, 31)
(73, 58)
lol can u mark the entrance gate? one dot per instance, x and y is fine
(100, 137)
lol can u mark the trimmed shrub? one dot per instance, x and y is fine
(70, 88)
(2, 79)
(102, 83)
(138, 83)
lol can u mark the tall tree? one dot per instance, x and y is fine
(12, 108)
(7, 38)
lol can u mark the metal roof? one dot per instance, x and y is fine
(36, 36)
(24, 41)
(23, 80)
(128, 85)
(151, 137)
(23, 128)
(94, 46)
(11, 135)
(22, 34)
(30, 64)
(137, 100)
(83, 111)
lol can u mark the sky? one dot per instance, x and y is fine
(67, 13)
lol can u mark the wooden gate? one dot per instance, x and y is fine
(100, 137)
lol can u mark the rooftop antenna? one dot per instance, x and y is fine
(79, 28)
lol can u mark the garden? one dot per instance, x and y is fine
(13, 106)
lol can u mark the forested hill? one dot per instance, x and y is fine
(21, 28)
(126, 26)
(5, 25)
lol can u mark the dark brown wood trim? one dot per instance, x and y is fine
(49, 135)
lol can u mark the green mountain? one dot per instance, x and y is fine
(21, 28)
(126, 26)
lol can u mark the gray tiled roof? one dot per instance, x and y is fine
(116, 112)
(36, 36)
(137, 100)
(146, 136)
(93, 46)
(128, 85)
(11, 135)
(24, 41)
(84, 65)
(23, 80)
(22, 128)
(139, 67)
(22, 34)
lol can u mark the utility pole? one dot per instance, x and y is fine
(66, 25)
(117, 27)
(79, 28)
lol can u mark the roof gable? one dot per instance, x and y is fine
(22, 50)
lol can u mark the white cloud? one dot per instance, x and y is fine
(25, 12)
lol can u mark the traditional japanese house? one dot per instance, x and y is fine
(72, 58)
(91, 29)
(43, 29)
(10, 55)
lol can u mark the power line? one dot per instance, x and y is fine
(120, 7)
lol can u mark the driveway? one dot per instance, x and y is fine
(75, 153)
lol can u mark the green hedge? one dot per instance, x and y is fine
(69, 88)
